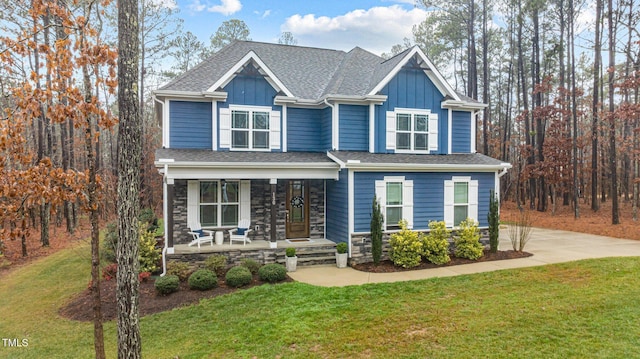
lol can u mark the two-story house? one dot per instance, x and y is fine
(299, 140)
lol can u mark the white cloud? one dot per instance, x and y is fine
(376, 29)
(227, 7)
(262, 14)
(169, 4)
(196, 6)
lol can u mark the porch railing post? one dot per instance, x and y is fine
(274, 209)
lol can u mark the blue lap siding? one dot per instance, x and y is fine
(461, 132)
(428, 196)
(354, 128)
(304, 127)
(337, 223)
(190, 124)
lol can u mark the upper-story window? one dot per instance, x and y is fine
(412, 130)
(249, 129)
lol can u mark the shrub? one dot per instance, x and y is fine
(406, 247)
(203, 279)
(238, 276)
(251, 265)
(181, 270)
(167, 284)
(467, 242)
(110, 243)
(342, 247)
(376, 231)
(436, 243)
(148, 255)
(520, 230)
(217, 263)
(148, 217)
(143, 276)
(494, 222)
(272, 273)
(290, 252)
(110, 271)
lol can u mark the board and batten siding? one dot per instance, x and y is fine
(354, 128)
(190, 124)
(337, 224)
(461, 132)
(303, 129)
(428, 195)
(411, 88)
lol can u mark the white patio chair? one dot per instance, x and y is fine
(200, 235)
(240, 234)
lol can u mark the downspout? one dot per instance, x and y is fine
(333, 109)
(503, 172)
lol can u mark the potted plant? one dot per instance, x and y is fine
(341, 255)
(292, 259)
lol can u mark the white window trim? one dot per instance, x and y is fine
(193, 202)
(432, 133)
(449, 204)
(407, 198)
(226, 128)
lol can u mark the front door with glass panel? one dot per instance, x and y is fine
(297, 209)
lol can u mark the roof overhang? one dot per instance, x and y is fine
(367, 99)
(417, 167)
(463, 105)
(196, 95)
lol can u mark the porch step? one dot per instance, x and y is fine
(311, 256)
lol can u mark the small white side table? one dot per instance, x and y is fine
(219, 237)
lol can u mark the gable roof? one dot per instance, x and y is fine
(306, 73)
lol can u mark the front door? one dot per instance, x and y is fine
(297, 209)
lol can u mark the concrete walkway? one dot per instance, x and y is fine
(548, 246)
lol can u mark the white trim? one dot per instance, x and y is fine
(284, 119)
(249, 172)
(449, 200)
(350, 205)
(440, 81)
(214, 125)
(191, 95)
(372, 128)
(244, 211)
(166, 125)
(229, 75)
(336, 160)
(474, 124)
(225, 127)
(450, 132)
(335, 126)
(463, 105)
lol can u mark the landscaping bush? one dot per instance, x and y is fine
(181, 270)
(217, 263)
(467, 243)
(406, 247)
(110, 271)
(494, 222)
(203, 279)
(436, 243)
(251, 265)
(148, 217)
(238, 276)
(143, 276)
(167, 284)
(148, 255)
(376, 231)
(272, 273)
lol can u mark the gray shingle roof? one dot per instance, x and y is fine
(209, 156)
(399, 159)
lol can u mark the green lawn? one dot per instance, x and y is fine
(581, 309)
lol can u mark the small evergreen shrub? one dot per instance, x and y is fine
(148, 255)
(238, 276)
(149, 219)
(203, 279)
(216, 263)
(181, 270)
(110, 271)
(406, 247)
(290, 252)
(436, 243)
(494, 222)
(272, 273)
(376, 231)
(167, 284)
(467, 243)
(342, 247)
(251, 265)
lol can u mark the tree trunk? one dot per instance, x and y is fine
(595, 203)
(574, 112)
(615, 217)
(129, 153)
(485, 79)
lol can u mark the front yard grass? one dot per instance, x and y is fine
(579, 309)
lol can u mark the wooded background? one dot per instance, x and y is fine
(561, 77)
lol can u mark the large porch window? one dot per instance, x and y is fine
(219, 203)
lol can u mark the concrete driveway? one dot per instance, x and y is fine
(547, 245)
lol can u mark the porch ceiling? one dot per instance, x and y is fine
(208, 164)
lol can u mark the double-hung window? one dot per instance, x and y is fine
(249, 129)
(219, 203)
(412, 130)
(460, 200)
(395, 195)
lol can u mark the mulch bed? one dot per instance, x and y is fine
(387, 266)
(81, 307)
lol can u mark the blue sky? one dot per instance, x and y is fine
(374, 25)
